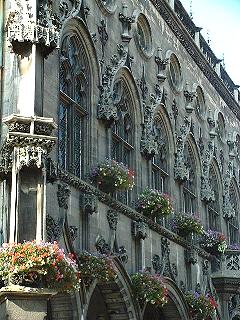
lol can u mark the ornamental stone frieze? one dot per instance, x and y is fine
(28, 142)
(34, 23)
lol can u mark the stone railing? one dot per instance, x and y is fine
(228, 265)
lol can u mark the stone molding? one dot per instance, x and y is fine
(87, 188)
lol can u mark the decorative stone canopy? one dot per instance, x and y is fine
(30, 137)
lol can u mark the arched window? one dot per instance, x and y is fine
(190, 185)
(160, 164)
(233, 223)
(214, 206)
(74, 104)
(122, 129)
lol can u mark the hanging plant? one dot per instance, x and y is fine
(96, 267)
(154, 204)
(38, 265)
(112, 176)
(185, 224)
(201, 306)
(149, 288)
(214, 242)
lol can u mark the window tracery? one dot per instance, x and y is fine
(122, 129)
(160, 160)
(74, 102)
(190, 185)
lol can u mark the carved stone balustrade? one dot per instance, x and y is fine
(226, 272)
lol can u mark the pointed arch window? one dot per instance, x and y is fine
(74, 105)
(122, 129)
(214, 206)
(190, 185)
(122, 145)
(160, 163)
(233, 223)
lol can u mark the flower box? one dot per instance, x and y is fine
(149, 288)
(38, 265)
(96, 267)
(201, 306)
(185, 224)
(111, 176)
(213, 242)
(154, 204)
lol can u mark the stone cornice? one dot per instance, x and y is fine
(121, 208)
(189, 44)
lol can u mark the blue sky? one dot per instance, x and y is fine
(221, 20)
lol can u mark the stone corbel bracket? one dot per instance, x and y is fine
(28, 142)
(26, 25)
(139, 230)
(88, 203)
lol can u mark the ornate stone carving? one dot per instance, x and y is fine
(88, 203)
(190, 256)
(107, 110)
(53, 229)
(102, 246)
(112, 217)
(63, 194)
(73, 230)
(51, 170)
(149, 145)
(228, 209)
(207, 194)
(161, 65)
(103, 35)
(69, 8)
(139, 229)
(234, 306)
(163, 265)
(27, 148)
(127, 22)
(181, 172)
(122, 254)
(170, 18)
(189, 96)
(233, 262)
(22, 26)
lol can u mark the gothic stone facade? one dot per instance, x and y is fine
(83, 80)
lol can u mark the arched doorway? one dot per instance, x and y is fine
(111, 300)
